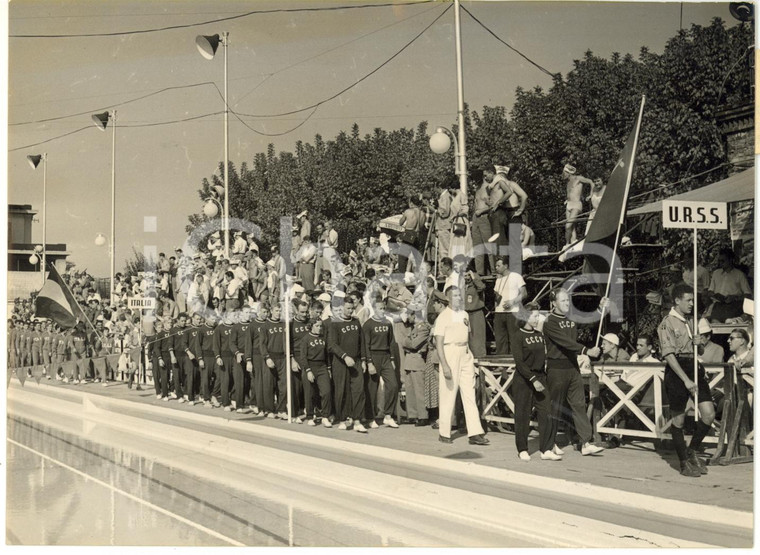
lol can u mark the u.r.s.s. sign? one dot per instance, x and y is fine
(686, 214)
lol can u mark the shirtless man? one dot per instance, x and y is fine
(574, 205)
(503, 210)
(481, 225)
(597, 192)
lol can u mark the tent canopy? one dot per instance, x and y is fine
(738, 187)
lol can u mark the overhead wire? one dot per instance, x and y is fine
(355, 83)
(49, 140)
(536, 64)
(115, 105)
(331, 50)
(219, 20)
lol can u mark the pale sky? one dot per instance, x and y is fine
(159, 168)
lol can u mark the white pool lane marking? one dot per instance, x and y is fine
(156, 508)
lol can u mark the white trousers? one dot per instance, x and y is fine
(462, 366)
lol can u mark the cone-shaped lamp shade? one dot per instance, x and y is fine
(207, 45)
(219, 190)
(34, 160)
(743, 11)
(100, 120)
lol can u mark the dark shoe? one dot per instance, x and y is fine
(689, 470)
(697, 462)
(435, 425)
(445, 439)
(138, 388)
(479, 439)
(408, 421)
(421, 422)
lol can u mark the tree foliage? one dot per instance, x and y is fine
(582, 119)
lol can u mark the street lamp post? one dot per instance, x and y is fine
(207, 46)
(439, 141)
(101, 122)
(34, 161)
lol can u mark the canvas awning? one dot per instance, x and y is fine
(738, 187)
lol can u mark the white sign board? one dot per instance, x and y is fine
(144, 303)
(685, 214)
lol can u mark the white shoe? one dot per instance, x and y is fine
(254, 409)
(158, 396)
(343, 426)
(298, 420)
(228, 408)
(190, 402)
(165, 399)
(388, 421)
(524, 456)
(172, 395)
(234, 404)
(311, 422)
(373, 424)
(557, 451)
(282, 415)
(105, 383)
(65, 380)
(359, 427)
(214, 400)
(326, 423)
(271, 415)
(207, 404)
(591, 449)
(241, 411)
(181, 400)
(550, 456)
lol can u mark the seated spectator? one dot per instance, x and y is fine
(644, 350)
(611, 350)
(728, 288)
(742, 353)
(707, 351)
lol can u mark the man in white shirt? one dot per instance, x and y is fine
(509, 290)
(197, 294)
(232, 288)
(240, 245)
(728, 288)
(457, 369)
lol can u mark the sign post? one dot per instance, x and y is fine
(694, 215)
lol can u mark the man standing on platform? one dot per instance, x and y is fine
(481, 226)
(574, 203)
(443, 222)
(676, 335)
(509, 291)
(451, 331)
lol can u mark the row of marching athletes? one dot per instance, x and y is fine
(240, 364)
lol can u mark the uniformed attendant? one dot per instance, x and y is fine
(314, 353)
(451, 332)
(529, 386)
(379, 344)
(563, 374)
(677, 346)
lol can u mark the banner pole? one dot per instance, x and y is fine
(694, 316)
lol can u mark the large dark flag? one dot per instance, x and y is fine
(56, 302)
(605, 227)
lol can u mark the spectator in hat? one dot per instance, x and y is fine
(304, 225)
(611, 351)
(240, 246)
(707, 351)
(574, 203)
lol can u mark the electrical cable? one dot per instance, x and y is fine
(269, 76)
(49, 140)
(94, 110)
(218, 20)
(351, 86)
(539, 66)
(275, 134)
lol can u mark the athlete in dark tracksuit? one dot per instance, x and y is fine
(193, 354)
(207, 362)
(223, 363)
(273, 352)
(344, 343)
(529, 351)
(162, 349)
(239, 338)
(254, 356)
(314, 353)
(299, 328)
(380, 344)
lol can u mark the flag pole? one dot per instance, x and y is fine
(79, 306)
(622, 216)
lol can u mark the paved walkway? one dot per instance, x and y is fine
(636, 468)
